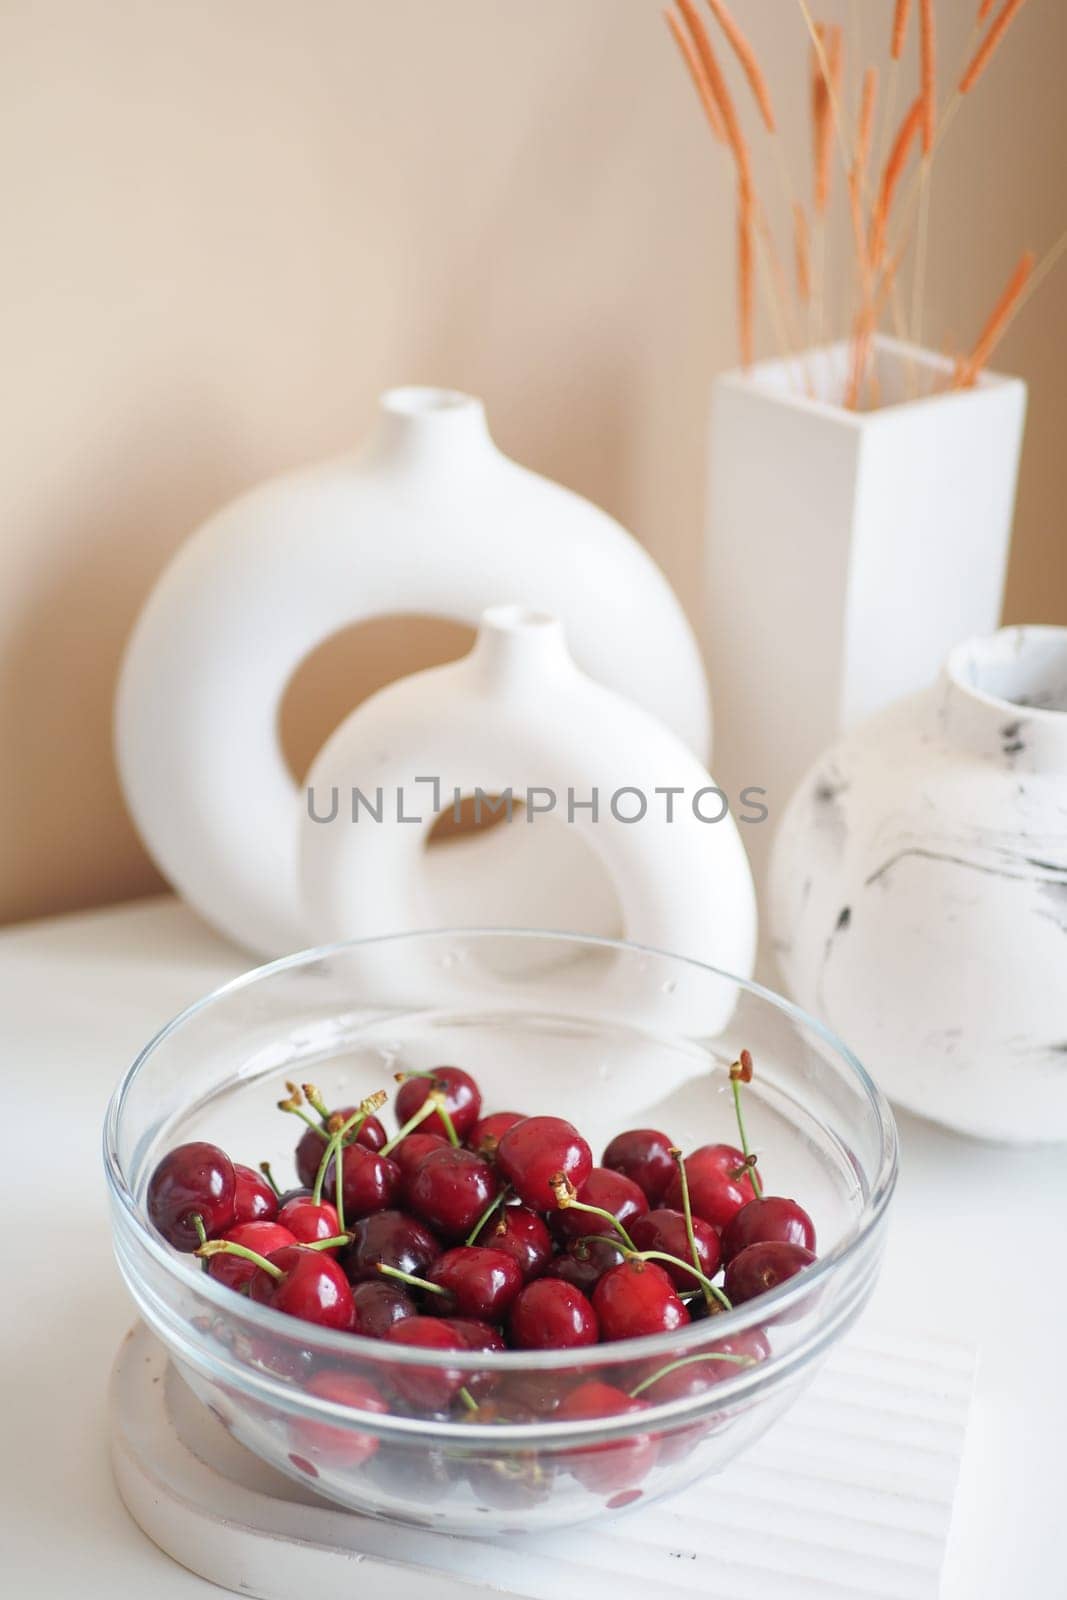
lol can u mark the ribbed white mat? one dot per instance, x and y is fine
(848, 1498)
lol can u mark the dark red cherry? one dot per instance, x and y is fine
(770, 1220)
(426, 1388)
(378, 1304)
(637, 1299)
(411, 1152)
(450, 1190)
(583, 1265)
(552, 1315)
(312, 1143)
(254, 1199)
(369, 1182)
(616, 1464)
(531, 1154)
(463, 1100)
(761, 1267)
(194, 1180)
(392, 1239)
(719, 1184)
(312, 1287)
(475, 1335)
(643, 1154)
(611, 1191)
(307, 1221)
(488, 1132)
(515, 1482)
(521, 1234)
(691, 1379)
(478, 1283)
(262, 1237)
(665, 1230)
(326, 1443)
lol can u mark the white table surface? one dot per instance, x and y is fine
(977, 1251)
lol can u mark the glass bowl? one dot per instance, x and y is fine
(606, 1034)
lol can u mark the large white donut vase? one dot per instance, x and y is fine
(517, 715)
(430, 518)
(918, 891)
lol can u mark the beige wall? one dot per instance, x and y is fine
(229, 223)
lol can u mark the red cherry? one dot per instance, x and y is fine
(392, 1239)
(463, 1100)
(475, 1335)
(194, 1180)
(312, 1144)
(369, 1182)
(521, 1234)
(426, 1388)
(552, 1315)
(488, 1132)
(479, 1282)
(761, 1267)
(327, 1443)
(611, 1191)
(262, 1237)
(583, 1265)
(312, 1287)
(307, 1221)
(643, 1154)
(719, 1184)
(532, 1153)
(378, 1305)
(635, 1299)
(254, 1199)
(770, 1220)
(616, 1464)
(665, 1230)
(411, 1152)
(693, 1378)
(451, 1189)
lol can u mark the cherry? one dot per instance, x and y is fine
(760, 1267)
(304, 1283)
(693, 1376)
(450, 1190)
(521, 1234)
(192, 1181)
(643, 1154)
(552, 1315)
(513, 1482)
(719, 1184)
(616, 1464)
(463, 1100)
(488, 1132)
(770, 1219)
(535, 1151)
(584, 1264)
(254, 1199)
(475, 1335)
(262, 1237)
(311, 1145)
(324, 1441)
(635, 1299)
(369, 1182)
(608, 1191)
(378, 1305)
(665, 1230)
(427, 1388)
(307, 1221)
(411, 1152)
(391, 1238)
(478, 1282)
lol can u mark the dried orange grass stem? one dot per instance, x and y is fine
(928, 64)
(745, 54)
(722, 97)
(968, 369)
(985, 8)
(984, 53)
(900, 28)
(866, 123)
(700, 83)
(825, 93)
(802, 252)
(891, 177)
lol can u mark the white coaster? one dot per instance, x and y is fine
(849, 1497)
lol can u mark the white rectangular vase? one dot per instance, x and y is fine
(847, 551)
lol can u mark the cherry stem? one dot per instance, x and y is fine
(331, 1244)
(687, 1211)
(687, 1266)
(227, 1247)
(440, 1106)
(198, 1223)
(691, 1361)
(334, 1146)
(264, 1167)
(315, 1101)
(491, 1208)
(408, 1277)
(567, 1200)
(468, 1399)
(297, 1110)
(741, 1072)
(428, 1107)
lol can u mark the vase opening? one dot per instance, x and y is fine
(416, 401)
(1022, 667)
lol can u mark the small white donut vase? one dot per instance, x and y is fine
(517, 715)
(918, 891)
(429, 519)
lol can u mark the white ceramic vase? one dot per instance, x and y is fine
(517, 717)
(846, 552)
(918, 890)
(430, 518)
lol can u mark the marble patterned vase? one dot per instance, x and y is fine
(918, 890)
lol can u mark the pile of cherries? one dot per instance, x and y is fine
(473, 1233)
